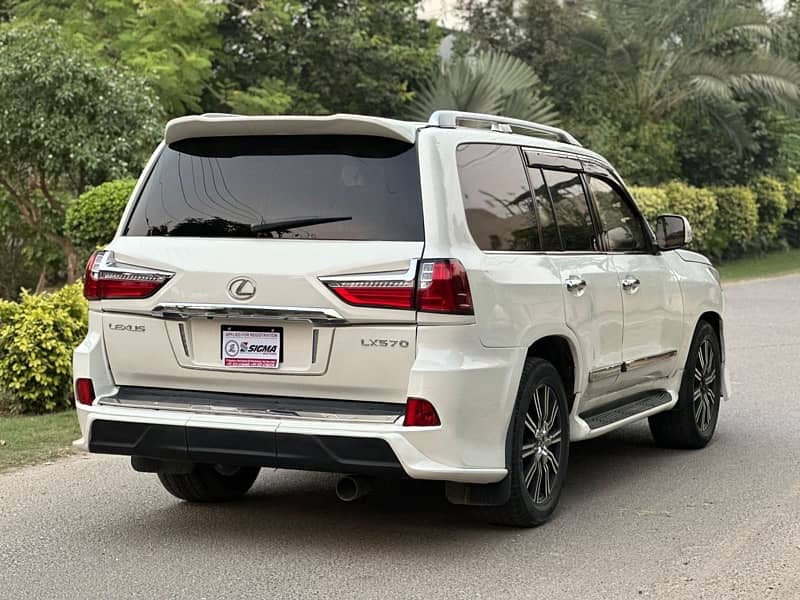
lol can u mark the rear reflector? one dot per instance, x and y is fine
(420, 413)
(106, 279)
(84, 391)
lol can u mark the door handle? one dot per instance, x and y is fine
(630, 284)
(575, 284)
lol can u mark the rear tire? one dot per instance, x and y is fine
(540, 448)
(210, 483)
(691, 423)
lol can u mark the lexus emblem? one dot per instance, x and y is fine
(242, 288)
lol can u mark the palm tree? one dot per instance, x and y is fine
(663, 54)
(490, 82)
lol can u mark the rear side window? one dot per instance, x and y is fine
(544, 211)
(307, 187)
(497, 199)
(571, 210)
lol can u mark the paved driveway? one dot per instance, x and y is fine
(635, 521)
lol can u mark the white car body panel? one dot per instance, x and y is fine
(468, 366)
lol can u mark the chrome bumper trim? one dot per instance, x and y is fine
(209, 409)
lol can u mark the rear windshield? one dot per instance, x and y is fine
(313, 187)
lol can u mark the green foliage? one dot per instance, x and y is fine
(491, 82)
(652, 201)
(791, 228)
(37, 337)
(67, 122)
(737, 221)
(171, 43)
(772, 207)
(93, 218)
(698, 205)
(359, 56)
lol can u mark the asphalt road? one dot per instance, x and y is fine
(635, 521)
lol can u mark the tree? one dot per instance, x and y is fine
(320, 56)
(169, 42)
(491, 82)
(68, 122)
(665, 54)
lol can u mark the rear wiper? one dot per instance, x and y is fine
(287, 224)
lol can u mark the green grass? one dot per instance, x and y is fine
(768, 265)
(26, 440)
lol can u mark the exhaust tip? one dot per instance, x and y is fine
(353, 487)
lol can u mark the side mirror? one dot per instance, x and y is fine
(672, 232)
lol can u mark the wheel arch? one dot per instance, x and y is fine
(560, 351)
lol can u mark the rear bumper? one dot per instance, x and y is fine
(367, 456)
(319, 445)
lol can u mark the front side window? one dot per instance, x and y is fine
(621, 229)
(571, 210)
(497, 199)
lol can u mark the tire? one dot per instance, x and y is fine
(534, 443)
(210, 483)
(691, 423)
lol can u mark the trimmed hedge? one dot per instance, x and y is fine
(737, 221)
(696, 204)
(37, 336)
(93, 218)
(791, 226)
(772, 207)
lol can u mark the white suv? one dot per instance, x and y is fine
(455, 300)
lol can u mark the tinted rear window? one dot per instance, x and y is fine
(314, 187)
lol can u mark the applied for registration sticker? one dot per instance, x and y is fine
(258, 347)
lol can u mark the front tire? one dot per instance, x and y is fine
(210, 483)
(540, 448)
(691, 423)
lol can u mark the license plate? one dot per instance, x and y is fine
(259, 347)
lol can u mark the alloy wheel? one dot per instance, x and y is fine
(704, 394)
(541, 444)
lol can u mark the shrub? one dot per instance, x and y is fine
(772, 208)
(652, 201)
(93, 218)
(37, 336)
(791, 228)
(737, 221)
(696, 204)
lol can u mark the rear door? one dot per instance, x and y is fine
(592, 300)
(251, 226)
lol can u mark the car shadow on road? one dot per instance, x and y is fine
(291, 508)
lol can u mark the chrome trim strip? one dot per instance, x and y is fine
(646, 360)
(210, 409)
(605, 372)
(181, 311)
(409, 275)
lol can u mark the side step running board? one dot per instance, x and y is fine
(626, 408)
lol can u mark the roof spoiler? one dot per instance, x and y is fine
(223, 125)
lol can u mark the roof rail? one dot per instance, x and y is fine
(451, 118)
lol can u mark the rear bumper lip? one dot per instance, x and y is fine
(412, 462)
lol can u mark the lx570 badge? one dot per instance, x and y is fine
(382, 343)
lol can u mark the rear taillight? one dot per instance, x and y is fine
(106, 279)
(375, 293)
(420, 413)
(440, 286)
(84, 391)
